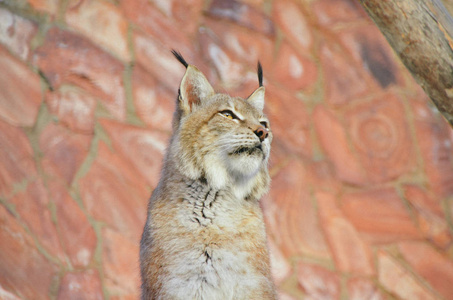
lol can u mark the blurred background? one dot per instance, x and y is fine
(362, 195)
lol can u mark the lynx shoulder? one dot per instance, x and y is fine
(204, 237)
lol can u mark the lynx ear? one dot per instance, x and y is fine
(257, 98)
(194, 89)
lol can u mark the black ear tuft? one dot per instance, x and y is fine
(179, 57)
(260, 74)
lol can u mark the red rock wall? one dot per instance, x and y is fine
(362, 197)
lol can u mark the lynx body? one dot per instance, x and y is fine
(204, 237)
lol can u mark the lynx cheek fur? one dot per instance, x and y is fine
(204, 237)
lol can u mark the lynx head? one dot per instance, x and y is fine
(221, 138)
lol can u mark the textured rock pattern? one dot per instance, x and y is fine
(362, 200)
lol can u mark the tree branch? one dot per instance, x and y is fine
(419, 34)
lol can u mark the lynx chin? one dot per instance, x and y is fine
(204, 236)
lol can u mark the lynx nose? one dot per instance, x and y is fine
(262, 133)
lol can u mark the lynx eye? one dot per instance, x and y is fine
(264, 123)
(228, 114)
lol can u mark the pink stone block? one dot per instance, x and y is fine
(18, 105)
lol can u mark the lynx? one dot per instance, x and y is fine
(204, 236)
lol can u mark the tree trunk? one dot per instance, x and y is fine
(420, 33)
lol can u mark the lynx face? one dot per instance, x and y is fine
(231, 139)
(225, 139)
(245, 142)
